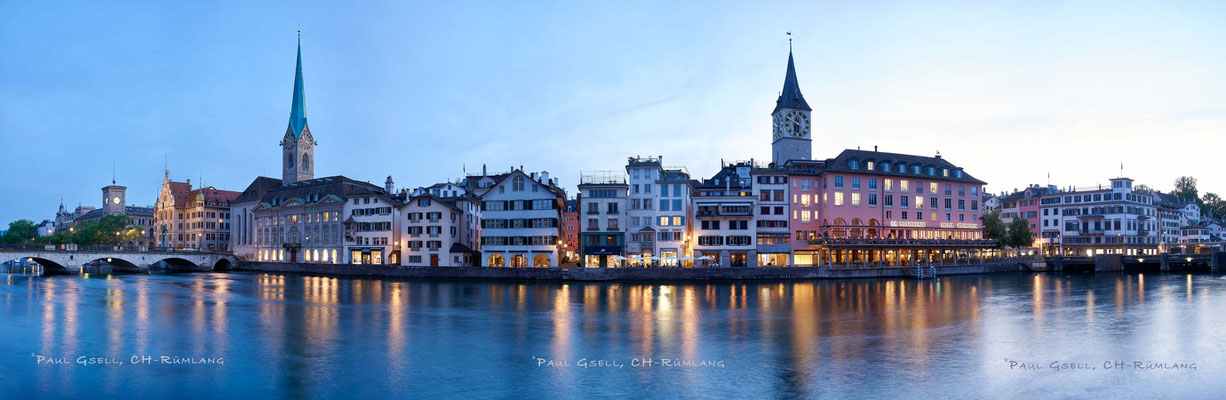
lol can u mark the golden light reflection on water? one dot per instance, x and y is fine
(398, 318)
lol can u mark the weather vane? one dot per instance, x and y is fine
(789, 40)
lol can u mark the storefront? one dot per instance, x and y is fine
(366, 256)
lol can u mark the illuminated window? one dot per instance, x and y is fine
(838, 198)
(855, 199)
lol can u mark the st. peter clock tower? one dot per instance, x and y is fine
(792, 132)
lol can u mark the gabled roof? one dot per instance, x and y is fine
(211, 195)
(790, 96)
(840, 164)
(449, 202)
(271, 191)
(502, 178)
(257, 189)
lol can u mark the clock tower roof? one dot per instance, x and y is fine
(790, 97)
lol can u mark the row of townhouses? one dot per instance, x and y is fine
(1108, 219)
(866, 207)
(861, 206)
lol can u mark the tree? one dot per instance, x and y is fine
(21, 231)
(1142, 188)
(1019, 233)
(993, 227)
(1212, 204)
(1185, 189)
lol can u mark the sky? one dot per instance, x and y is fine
(1010, 91)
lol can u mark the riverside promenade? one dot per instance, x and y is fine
(630, 274)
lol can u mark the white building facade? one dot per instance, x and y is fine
(440, 232)
(521, 219)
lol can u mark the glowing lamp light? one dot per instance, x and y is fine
(1189, 259)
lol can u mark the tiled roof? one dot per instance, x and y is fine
(270, 190)
(840, 164)
(256, 190)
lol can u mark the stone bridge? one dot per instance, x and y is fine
(69, 259)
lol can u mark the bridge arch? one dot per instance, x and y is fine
(117, 265)
(178, 264)
(48, 266)
(223, 264)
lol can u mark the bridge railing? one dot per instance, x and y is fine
(103, 248)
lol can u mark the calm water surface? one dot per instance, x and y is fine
(290, 336)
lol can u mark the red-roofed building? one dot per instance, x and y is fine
(192, 219)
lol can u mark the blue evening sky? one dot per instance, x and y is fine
(417, 90)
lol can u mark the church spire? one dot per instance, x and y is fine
(790, 97)
(297, 112)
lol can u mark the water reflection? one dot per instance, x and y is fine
(301, 336)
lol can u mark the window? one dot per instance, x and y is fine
(855, 182)
(838, 182)
(855, 198)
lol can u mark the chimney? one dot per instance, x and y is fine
(874, 148)
(389, 185)
(483, 170)
(545, 177)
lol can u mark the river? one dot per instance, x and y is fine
(240, 335)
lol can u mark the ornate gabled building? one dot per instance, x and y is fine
(193, 219)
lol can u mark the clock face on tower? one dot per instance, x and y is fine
(115, 200)
(796, 123)
(778, 128)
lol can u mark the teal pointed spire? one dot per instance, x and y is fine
(297, 111)
(790, 97)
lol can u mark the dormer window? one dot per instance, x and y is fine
(885, 166)
(915, 169)
(853, 164)
(957, 173)
(868, 165)
(945, 172)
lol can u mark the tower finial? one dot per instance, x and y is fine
(789, 41)
(113, 173)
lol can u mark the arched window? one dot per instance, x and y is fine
(496, 260)
(289, 160)
(840, 228)
(540, 261)
(306, 162)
